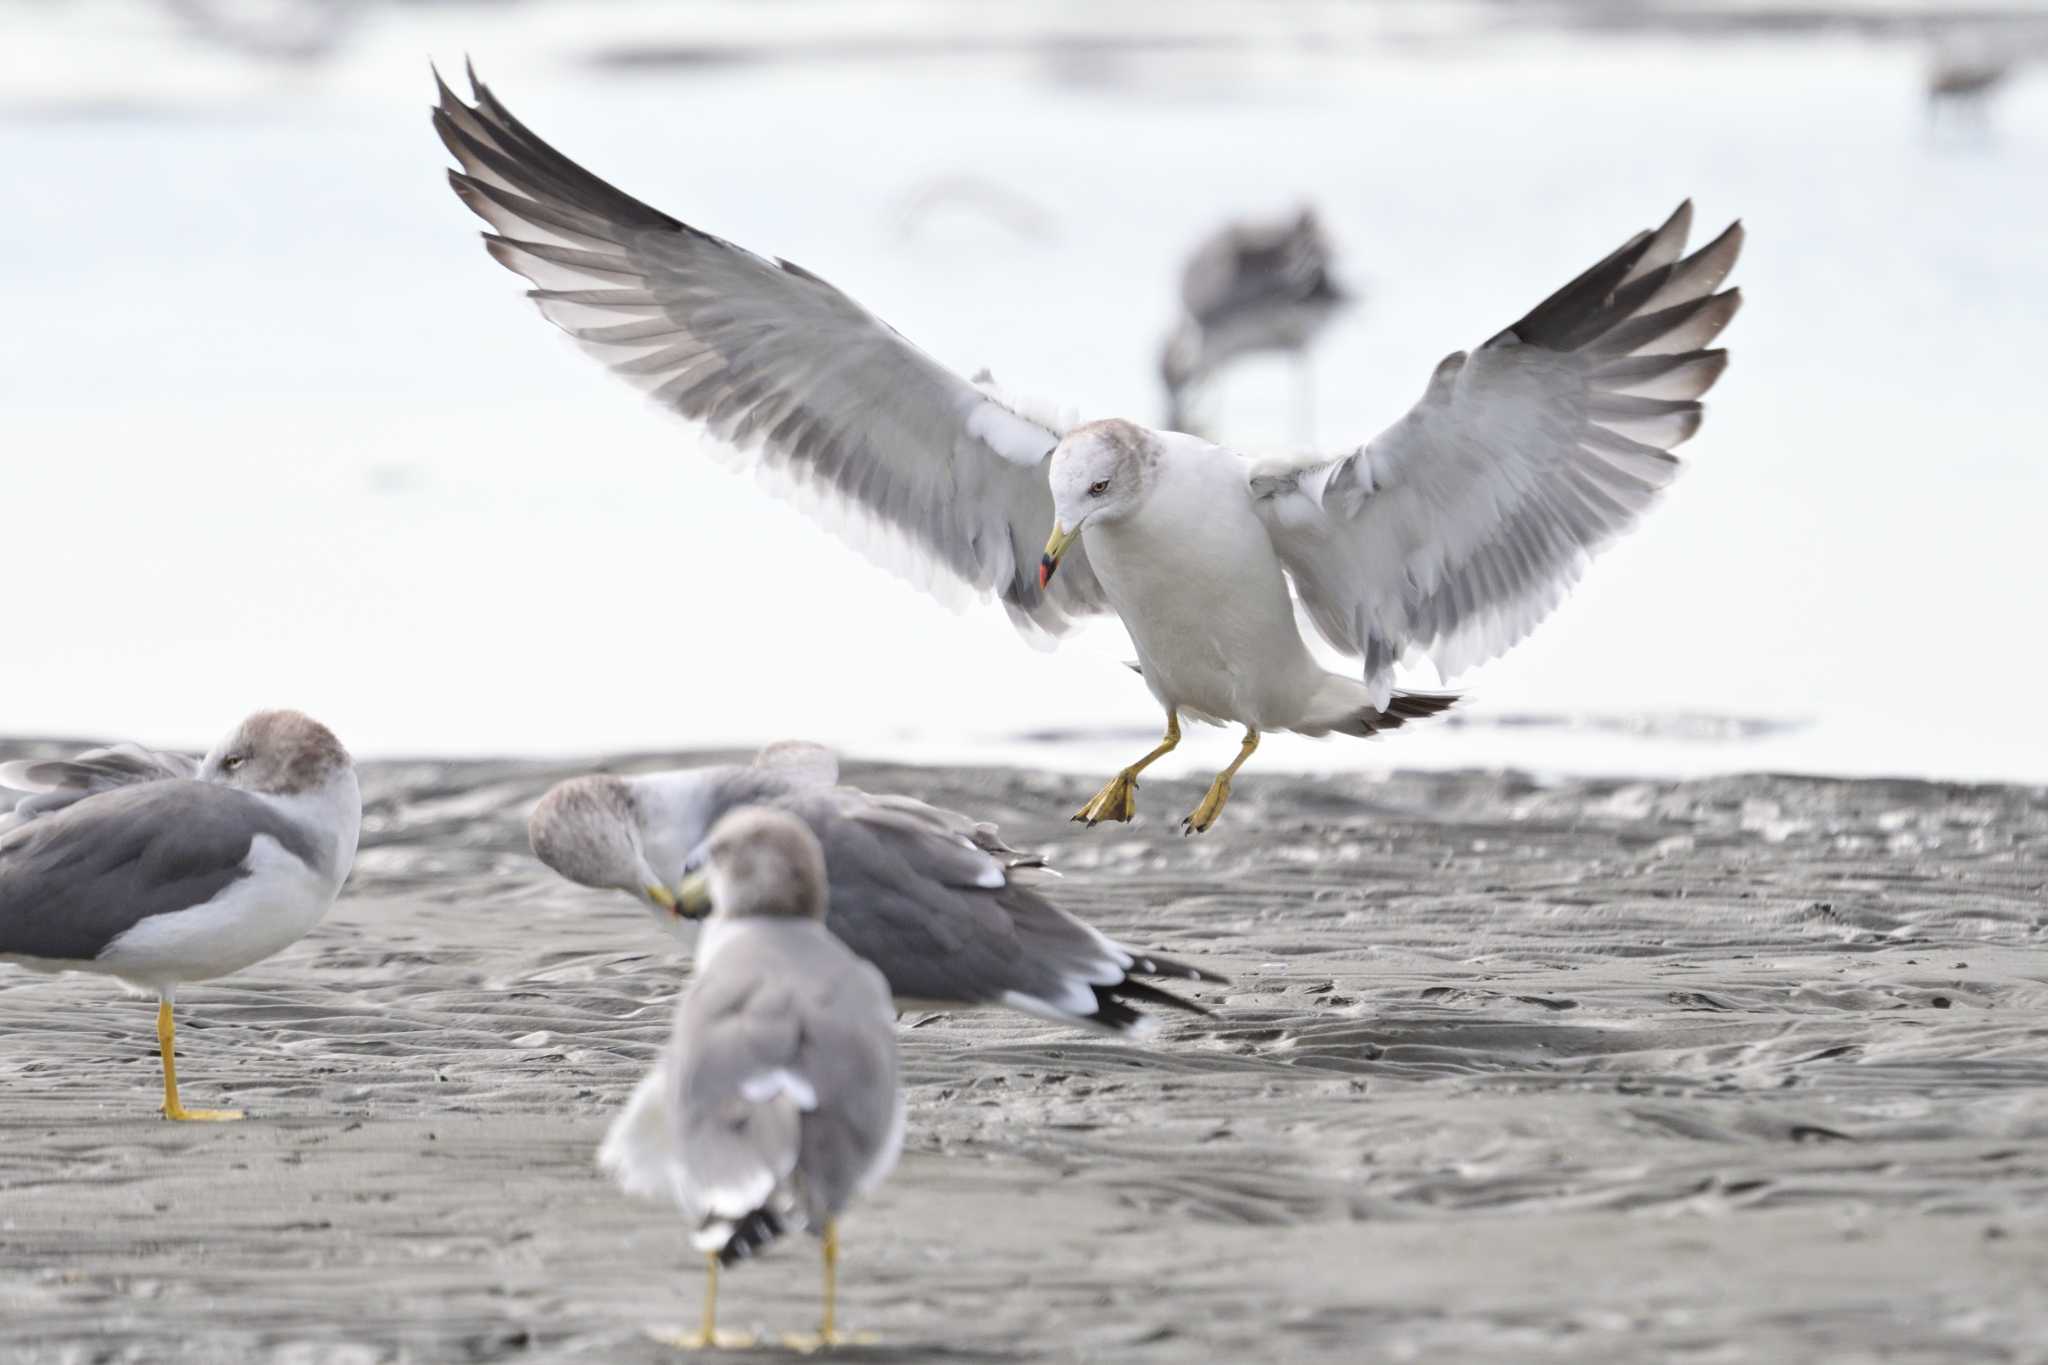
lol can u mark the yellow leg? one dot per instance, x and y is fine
(829, 1326)
(166, 1040)
(828, 1333)
(708, 1337)
(1204, 815)
(1117, 800)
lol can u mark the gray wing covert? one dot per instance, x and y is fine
(74, 880)
(933, 900)
(786, 1067)
(848, 1053)
(735, 1024)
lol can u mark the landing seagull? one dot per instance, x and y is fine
(950, 914)
(776, 1101)
(1450, 535)
(156, 870)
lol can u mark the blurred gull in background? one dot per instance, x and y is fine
(1251, 287)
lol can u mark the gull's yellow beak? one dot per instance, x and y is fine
(693, 896)
(1054, 548)
(662, 897)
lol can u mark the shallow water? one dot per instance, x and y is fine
(1723, 1070)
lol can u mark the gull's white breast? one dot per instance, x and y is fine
(1193, 574)
(274, 906)
(270, 909)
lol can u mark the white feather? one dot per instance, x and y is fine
(770, 1085)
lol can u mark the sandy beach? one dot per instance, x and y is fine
(1747, 1068)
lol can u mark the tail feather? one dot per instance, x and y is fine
(748, 1236)
(1113, 1001)
(1345, 706)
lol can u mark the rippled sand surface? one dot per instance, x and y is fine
(1730, 1070)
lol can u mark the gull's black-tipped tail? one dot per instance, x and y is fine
(751, 1235)
(1114, 1009)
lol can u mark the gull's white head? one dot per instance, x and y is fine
(1100, 474)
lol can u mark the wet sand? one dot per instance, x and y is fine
(1724, 1070)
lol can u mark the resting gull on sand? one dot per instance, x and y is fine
(1449, 535)
(156, 870)
(937, 901)
(776, 1099)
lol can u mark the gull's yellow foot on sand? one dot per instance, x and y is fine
(702, 1340)
(828, 1334)
(810, 1343)
(178, 1113)
(166, 1038)
(708, 1337)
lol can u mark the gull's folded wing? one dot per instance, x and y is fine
(777, 364)
(1456, 530)
(54, 783)
(73, 880)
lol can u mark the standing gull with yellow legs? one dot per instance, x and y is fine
(157, 871)
(775, 1102)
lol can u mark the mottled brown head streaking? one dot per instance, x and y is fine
(586, 830)
(764, 863)
(277, 753)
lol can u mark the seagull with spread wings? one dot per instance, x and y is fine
(1448, 536)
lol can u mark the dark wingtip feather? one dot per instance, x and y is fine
(1130, 988)
(1421, 705)
(1404, 707)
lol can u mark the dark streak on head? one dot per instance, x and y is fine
(1130, 441)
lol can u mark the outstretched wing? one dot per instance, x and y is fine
(1456, 530)
(780, 366)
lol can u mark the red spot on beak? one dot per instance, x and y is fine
(1046, 565)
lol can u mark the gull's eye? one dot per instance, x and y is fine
(232, 762)
(1098, 488)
